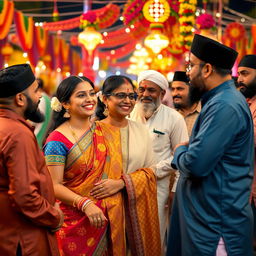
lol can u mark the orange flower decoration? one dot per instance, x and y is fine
(235, 31)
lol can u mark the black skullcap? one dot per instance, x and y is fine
(248, 61)
(180, 76)
(15, 79)
(211, 51)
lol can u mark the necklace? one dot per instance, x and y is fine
(83, 166)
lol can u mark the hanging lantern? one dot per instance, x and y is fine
(156, 41)
(89, 38)
(157, 12)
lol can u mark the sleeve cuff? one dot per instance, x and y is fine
(177, 153)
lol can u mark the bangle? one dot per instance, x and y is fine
(74, 204)
(81, 202)
(87, 202)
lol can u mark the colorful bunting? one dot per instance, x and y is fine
(41, 39)
(25, 29)
(6, 17)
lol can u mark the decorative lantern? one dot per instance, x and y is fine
(89, 38)
(157, 12)
(156, 41)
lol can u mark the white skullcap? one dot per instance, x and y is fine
(154, 76)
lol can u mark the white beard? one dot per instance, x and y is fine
(148, 109)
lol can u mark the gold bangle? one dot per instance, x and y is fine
(74, 204)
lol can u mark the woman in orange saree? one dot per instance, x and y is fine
(129, 159)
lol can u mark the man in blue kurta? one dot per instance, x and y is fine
(211, 212)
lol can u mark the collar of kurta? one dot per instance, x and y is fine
(216, 90)
(197, 109)
(9, 113)
(250, 101)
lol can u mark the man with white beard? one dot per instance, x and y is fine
(167, 129)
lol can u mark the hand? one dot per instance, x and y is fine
(95, 215)
(57, 207)
(107, 187)
(180, 144)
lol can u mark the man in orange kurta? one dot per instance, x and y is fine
(28, 214)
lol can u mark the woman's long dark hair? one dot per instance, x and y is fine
(63, 94)
(109, 85)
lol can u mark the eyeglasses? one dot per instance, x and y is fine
(123, 95)
(189, 66)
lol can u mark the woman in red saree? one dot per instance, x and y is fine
(100, 202)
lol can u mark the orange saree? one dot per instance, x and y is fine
(139, 199)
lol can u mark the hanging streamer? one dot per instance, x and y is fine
(6, 17)
(25, 28)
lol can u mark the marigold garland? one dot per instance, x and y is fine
(106, 16)
(187, 21)
(132, 11)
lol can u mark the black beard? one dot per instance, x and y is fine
(32, 112)
(249, 90)
(177, 105)
(196, 89)
(195, 94)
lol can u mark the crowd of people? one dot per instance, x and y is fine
(120, 173)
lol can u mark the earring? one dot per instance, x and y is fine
(105, 112)
(66, 114)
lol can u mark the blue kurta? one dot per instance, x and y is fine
(216, 171)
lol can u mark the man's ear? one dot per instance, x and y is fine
(20, 99)
(207, 70)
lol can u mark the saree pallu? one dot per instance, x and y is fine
(138, 211)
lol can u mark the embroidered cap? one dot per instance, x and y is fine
(15, 79)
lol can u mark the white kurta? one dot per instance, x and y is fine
(167, 129)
